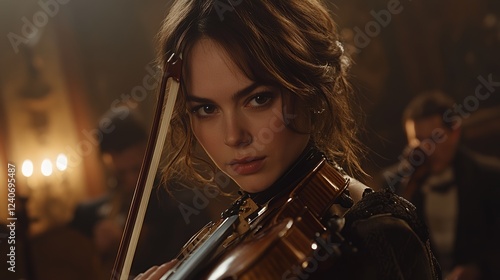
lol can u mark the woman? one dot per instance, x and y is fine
(264, 93)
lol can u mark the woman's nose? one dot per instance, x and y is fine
(236, 132)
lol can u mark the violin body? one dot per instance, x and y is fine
(288, 236)
(268, 255)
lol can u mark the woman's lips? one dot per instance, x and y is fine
(247, 166)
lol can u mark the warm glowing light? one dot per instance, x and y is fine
(46, 167)
(27, 168)
(62, 162)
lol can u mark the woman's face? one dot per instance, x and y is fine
(241, 124)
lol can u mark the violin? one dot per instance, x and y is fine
(294, 230)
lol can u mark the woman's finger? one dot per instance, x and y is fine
(156, 272)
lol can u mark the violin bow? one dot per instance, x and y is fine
(142, 193)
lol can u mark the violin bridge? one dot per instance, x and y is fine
(247, 208)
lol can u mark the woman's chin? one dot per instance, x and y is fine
(252, 186)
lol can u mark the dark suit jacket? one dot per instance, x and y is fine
(164, 230)
(478, 224)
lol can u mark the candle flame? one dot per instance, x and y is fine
(27, 168)
(46, 167)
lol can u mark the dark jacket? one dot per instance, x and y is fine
(478, 223)
(163, 233)
(390, 241)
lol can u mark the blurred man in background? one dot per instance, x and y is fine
(103, 219)
(455, 191)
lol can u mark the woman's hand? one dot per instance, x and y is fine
(156, 272)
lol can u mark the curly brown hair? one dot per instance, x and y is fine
(293, 44)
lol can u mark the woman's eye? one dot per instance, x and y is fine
(204, 110)
(260, 100)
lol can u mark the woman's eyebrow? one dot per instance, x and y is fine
(245, 91)
(236, 96)
(191, 98)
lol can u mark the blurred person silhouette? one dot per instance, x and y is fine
(122, 146)
(454, 189)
